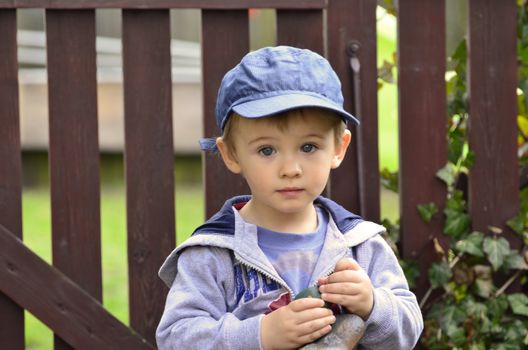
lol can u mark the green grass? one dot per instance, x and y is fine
(387, 106)
(37, 236)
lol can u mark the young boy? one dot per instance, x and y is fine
(233, 283)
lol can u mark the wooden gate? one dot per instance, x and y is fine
(67, 295)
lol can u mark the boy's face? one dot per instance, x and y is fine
(285, 168)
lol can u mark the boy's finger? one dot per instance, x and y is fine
(306, 303)
(347, 276)
(315, 325)
(347, 264)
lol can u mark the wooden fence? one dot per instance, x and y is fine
(67, 295)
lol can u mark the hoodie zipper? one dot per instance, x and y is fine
(266, 274)
(327, 273)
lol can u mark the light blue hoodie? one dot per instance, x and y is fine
(222, 284)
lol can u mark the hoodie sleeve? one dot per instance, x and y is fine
(396, 320)
(196, 314)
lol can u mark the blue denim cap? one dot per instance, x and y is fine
(272, 80)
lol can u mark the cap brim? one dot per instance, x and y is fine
(280, 103)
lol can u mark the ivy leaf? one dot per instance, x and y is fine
(505, 346)
(469, 160)
(472, 244)
(453, 315)
(496, 249)
(483, 283)
(455, 145)
(484, 287)
(411, 270)
(515, 261)
(385, 72)
(456, 202)
(456, 223)
(517, 223)
(524, 200)
(389, 180)
(477, 346)
(475, 309)
(447, 174)
(439, 274)
(519, 303)
(456, 334)
(497, 307)
(515, 333)
(427, 211)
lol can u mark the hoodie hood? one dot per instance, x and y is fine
(226, 229)
(223, 222)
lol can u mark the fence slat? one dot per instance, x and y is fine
(225, 40)
(423, 125)
(302, 29)
(60, 302)
(149, 161)
(355, 184)
(73, 149)
(11, 315)
(494, 178)
(164, 4)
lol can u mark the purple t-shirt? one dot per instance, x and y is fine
(294, 255)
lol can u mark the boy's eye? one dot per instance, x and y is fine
(266, 151)
(308, 148)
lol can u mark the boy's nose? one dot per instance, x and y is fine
(291, 168)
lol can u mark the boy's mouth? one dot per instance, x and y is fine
(290, 191)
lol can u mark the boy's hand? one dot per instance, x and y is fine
(300, 322)
(350, 287)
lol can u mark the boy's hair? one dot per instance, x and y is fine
(281, 121)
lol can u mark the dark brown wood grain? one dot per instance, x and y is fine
(355, 184)
(60, 302)
(73, 149)
(11, 315)
(149, 161)
(423, 126)
(494, 178)
(301, 28)
(225, 40)
(163, 4)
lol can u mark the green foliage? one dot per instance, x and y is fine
(389, 179)
(439, 274)
(469, 304)
(496, 249)
(471, 245)
(427, 211)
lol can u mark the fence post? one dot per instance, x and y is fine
(494, 178)
(11, 315)
(423, 127)
(355, 184)
(303, 29)
(74, 150)
(149, 160)
(225, 39)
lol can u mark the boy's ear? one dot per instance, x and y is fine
(341, 149)
(228, 156)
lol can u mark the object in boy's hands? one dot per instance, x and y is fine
(312, 292)
(347, 331)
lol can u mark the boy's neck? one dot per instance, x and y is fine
(304, 221)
